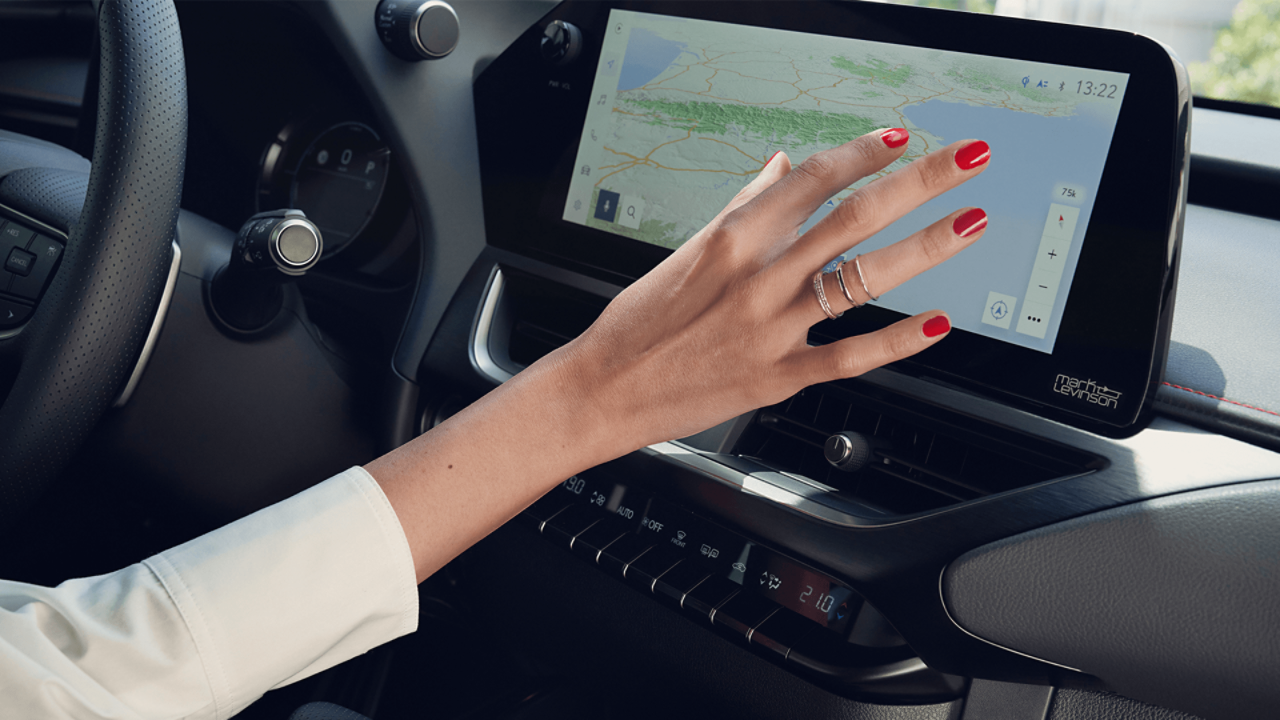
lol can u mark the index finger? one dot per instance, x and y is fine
(790, 201)
(875, 206)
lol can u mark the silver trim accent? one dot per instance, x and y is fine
(942, 600)
(153, 335)
(44, 228)
(480, 356)
(800, 494)
(417, 38)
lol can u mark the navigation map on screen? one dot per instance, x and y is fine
(683, 113)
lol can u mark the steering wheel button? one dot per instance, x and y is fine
(13, 234)
(20, 262)
(45, 253)
(13, 314)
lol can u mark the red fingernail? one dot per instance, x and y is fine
(972, 155)
(771, 157)
(895, 137)
(937, 325)
(969, 223)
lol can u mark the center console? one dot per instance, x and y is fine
(610, 132)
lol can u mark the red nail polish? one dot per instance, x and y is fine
(771, 157)
(969, 223)
(895, 137)
(972, 155)
(937, 325)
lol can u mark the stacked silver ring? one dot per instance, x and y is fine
(821, 291)
(822, 297)
(858, 267)
(845, 288)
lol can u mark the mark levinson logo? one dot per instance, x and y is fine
(1087, 390)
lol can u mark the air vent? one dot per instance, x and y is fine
(921, 463)
(537, 316)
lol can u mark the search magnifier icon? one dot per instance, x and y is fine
(631, 211)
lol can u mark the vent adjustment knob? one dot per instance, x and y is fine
(848, 451)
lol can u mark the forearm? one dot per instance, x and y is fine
(717, 329)
(456, 484)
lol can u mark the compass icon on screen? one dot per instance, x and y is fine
(999, 310)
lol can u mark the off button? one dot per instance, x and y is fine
(13, 314)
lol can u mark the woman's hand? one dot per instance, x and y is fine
(716, 330)
(721, 327)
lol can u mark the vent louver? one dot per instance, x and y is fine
(921, 463)
(538, 316)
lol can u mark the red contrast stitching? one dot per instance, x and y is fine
(1215, 397)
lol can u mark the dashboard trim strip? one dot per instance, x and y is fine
(480, 355)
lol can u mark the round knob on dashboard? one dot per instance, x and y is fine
(417, 29)
(848, 451)
(561, 42)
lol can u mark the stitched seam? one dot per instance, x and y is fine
(396, 536)
(195, 637)
(1215, 397)
(1218, 419)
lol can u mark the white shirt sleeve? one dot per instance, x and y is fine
(204, 629)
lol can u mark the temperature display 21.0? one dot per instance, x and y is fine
(803, 591)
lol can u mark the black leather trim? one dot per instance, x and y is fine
(1174, 601)
(85, 336)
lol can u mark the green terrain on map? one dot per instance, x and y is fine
(800, 127)
(877, 70)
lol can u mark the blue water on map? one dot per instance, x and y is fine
(648, 56)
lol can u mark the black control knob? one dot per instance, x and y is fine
(270, 249)
(561, 43)
(848, 451)
(417, 29)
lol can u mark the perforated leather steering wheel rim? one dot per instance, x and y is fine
(84, 338)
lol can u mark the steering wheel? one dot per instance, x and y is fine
(70, 361)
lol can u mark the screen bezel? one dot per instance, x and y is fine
(530, 117)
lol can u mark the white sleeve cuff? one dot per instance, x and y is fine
(293, 589)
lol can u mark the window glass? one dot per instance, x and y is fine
(1231, 47)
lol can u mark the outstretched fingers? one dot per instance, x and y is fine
(879, 271)
(856, 355)
(874, 207)
(789, 203)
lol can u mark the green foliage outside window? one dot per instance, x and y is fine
(1245, 62)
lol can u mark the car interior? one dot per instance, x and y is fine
(387, 208)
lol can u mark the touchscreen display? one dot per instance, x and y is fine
(684, 112)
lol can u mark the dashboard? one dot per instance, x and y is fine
(1000, 555)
